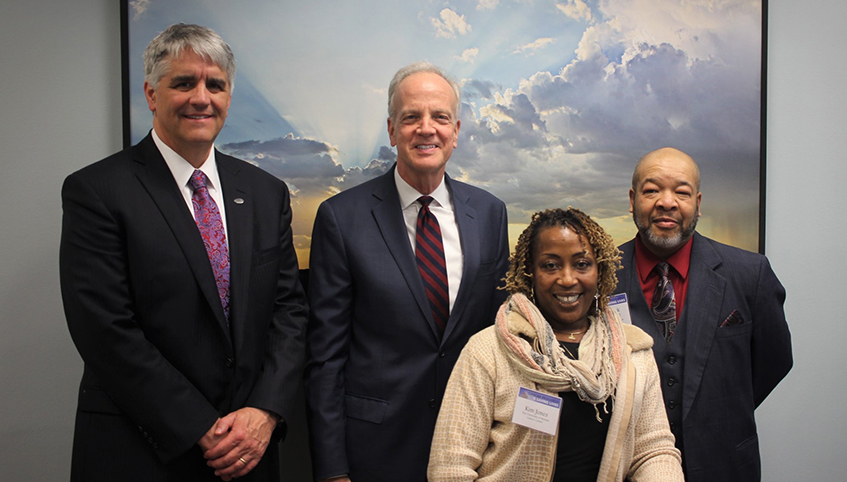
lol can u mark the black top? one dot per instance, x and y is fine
(581, 436)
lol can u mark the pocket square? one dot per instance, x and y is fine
(734, 318)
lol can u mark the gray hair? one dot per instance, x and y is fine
(415, 68)
(169, 44)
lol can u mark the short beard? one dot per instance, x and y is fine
(671, 243)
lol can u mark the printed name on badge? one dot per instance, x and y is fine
(620, 304)
(537, 411)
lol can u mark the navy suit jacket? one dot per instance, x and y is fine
(728, 371)
(377, 370)
(143, 309)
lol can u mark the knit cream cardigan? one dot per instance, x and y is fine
(475, 438)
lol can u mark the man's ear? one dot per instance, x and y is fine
(391, 133)
(150, 95)
(632, 200)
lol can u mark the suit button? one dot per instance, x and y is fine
(229, 362)
(673, 426)
(671, 359)
(431, 403)
(671, 404)
(441, 354)
(155, 445)
(671, 381)
(150, 439)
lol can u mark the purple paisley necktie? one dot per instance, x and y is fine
(211, 227)
(664, 305)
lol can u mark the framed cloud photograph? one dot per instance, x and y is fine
(559, 98)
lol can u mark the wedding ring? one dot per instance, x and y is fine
(242, 460)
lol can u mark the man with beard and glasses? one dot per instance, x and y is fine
(715, 313)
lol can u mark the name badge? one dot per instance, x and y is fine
(537, 411)
(620, 304)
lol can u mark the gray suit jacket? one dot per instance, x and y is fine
(376, 369)
(728, 370)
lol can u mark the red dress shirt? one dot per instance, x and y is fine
(646, 261)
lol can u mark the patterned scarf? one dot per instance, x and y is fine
(531, 344)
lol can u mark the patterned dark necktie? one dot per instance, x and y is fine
(664, 306)
(429, 251)
(211, 226)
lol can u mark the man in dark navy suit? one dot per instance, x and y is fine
(395, 298)
(181, 292)
(716, 315)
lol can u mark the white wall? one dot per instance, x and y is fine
(60, 103)
(60, 109)
(803, 425)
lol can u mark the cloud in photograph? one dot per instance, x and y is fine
(305, 162)
(309, 165)
(468, 55)
(138, 8)
(487, 4)
(575, 9)
(533, 46)
(475, 89)
(450, 24)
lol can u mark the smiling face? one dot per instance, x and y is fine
(424, 129)
(190, 105)
(565, 276)
(665, 200)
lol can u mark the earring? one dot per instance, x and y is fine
(532, 293)
(597, 303)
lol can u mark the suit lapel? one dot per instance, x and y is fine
(389, 219)
(701, 313)
(701, 310)
(466, 218)
(238, 201)
(630, 284)
(159, 182)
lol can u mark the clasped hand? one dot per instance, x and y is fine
(235, 443)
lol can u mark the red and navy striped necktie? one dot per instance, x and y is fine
(429, 251)
(211, 227)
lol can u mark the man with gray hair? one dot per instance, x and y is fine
(181, 292)
(404, 269)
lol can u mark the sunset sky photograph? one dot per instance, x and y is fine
(559, 99)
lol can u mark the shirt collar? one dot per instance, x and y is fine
(409, 195)
(646, 261)
(182, 169)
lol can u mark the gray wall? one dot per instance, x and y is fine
(60, 108)
(802, 425)
(60, 104)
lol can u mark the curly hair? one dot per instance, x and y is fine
(519, 276)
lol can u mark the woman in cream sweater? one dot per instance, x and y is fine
(558, 389)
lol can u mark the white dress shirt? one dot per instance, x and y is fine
(442, 208)
(182, 171)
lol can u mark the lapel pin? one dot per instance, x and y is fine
(238, 200)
